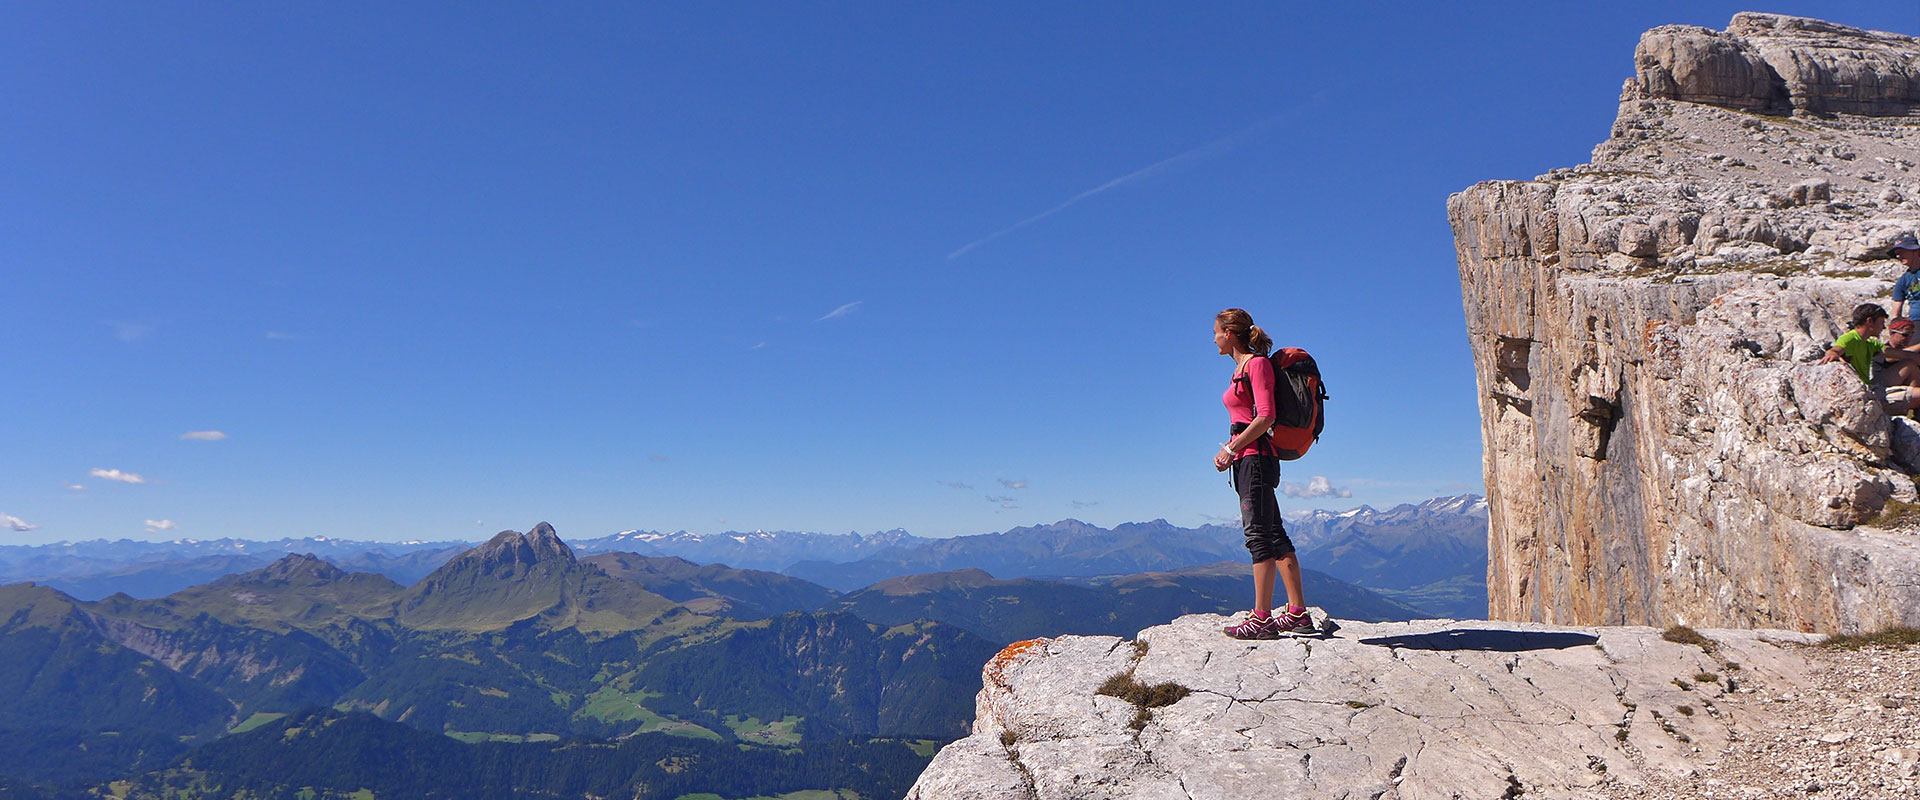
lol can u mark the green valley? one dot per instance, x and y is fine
(515, 643)
(329, 754)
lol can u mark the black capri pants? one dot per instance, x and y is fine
(1255, 478)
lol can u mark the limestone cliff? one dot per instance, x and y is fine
(1426, 709)
(1659, 445)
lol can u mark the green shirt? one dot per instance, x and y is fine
(1859, 351)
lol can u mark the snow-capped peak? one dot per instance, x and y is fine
(1457, 504)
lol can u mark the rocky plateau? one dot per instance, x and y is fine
(1435, 709)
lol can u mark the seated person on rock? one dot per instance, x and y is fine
(1896, 369)
(1860, 348)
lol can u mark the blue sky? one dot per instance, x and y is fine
(432, 271)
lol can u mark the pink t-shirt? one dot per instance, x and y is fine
(1244, 404)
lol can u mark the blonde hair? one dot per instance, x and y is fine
(1239, 323)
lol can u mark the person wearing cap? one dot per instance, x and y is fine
(1860, 346)
(1906, 288)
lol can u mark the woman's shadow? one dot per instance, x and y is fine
(1491, 640)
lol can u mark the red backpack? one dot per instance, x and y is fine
(1298, 402)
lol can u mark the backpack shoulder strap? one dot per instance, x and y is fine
(1264, 444)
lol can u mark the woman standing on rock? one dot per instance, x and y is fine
(1256, 473)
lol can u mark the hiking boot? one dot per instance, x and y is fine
(1289, 623)
(1253, 628)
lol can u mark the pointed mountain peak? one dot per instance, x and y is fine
(512, 553)
(302, 568)
(519, 576)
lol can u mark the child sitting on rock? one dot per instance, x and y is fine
(1892, 368)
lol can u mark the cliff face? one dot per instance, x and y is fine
(1659, 446)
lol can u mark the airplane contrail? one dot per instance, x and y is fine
(1205, 151)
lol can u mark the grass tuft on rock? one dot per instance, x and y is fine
(1143, 697)
(1896, 514)
(1130, 689)
(1681, 634)
(1900, 637)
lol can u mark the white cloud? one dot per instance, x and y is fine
(204, 436)
(283, 336)
(1317, 486)
(760, 346)
(954, 484)
(158, 525)
(658, 459)
(1020, 484)
(1085, 503)
(78, 487)
(1008, 505)
(12, 522)
(117, 475)
(997, 499)
(841, 311)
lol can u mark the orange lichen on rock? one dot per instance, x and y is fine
(1008, 656)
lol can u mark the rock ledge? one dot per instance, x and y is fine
(1431, 708)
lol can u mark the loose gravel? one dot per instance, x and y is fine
(1852, 732)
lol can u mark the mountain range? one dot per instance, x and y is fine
(1116, 605)
(96, 568)
(1431, 555)
(516, 638)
